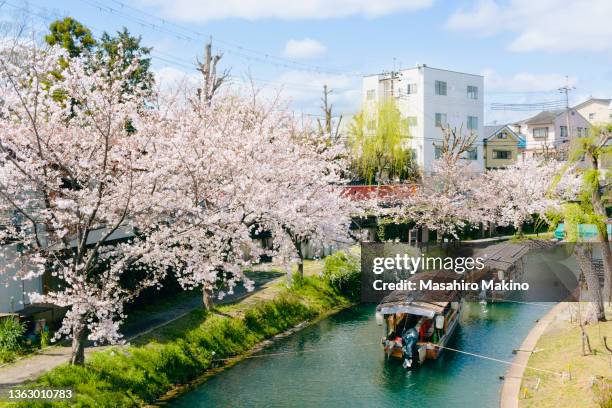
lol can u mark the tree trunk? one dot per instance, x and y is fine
(583, 254)
(207, 299)
(606, 252)
(79, 337)
(600, 209)
(301, 267)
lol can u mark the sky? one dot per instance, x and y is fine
(525, 49)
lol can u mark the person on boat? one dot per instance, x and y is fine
(409, 349)
(424, 329)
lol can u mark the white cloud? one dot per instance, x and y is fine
(306, 48)
(205, 10)
(300, 90)
(168, 78)
(543, 25)
(525, 82)
(304, 90)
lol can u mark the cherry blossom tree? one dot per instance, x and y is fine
(512, 196)
(79, 176)
(442, 200)
(247, 168)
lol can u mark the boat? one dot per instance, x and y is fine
(418, 324)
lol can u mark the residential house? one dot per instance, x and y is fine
(428, 99)
(595, 110)
(550, 131)
(502, 146)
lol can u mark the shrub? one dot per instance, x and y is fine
(137, 375)
(603, 393)
(342, 271)
(11, 332)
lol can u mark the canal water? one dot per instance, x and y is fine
(334, 363)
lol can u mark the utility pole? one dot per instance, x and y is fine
(566, 90)
(392, 76)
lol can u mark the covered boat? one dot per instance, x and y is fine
(418, 324)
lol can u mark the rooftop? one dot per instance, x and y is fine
(543, 117)
(602, 100)
(428, 67)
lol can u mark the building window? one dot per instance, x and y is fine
(437, 152)
(472, 122)
(411, 89)
(540, 133)
(440, 119)
(440, 88)
(502, 154)
(563, 132)
(472, 153)
(413, 155)
(370, 94)
(472, 92)
(411, 121)
(591, 116)
(372, 124)
(502, 135)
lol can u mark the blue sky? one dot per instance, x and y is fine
(524, 48)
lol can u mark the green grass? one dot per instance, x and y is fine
(560, 350)
(542, 235)
(184, 349)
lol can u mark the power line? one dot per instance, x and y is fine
(239, 50)
(522, 107)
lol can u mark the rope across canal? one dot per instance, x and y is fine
(313, 350)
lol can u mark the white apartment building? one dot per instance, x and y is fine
(427, 98)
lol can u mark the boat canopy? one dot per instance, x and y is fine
(426, 303)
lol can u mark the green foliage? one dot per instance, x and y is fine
(78, 40)
(376, 141)
(138, 375)
(343, 272)
(11, 332)
(582, 211)
(71, 35)
(127, 46)
(45, 338)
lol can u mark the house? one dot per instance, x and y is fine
(502, 146)
(429, 98)
(595, 110)
(550, 131)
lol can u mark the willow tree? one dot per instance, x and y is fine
(377, 140)
(595, 195)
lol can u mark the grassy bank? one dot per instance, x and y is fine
(183, 350)
(587, 380)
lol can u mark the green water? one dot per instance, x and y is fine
(346, 370)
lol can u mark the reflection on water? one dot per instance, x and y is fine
(349, 368)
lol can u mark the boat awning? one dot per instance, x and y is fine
(426, 303)
(420, 309)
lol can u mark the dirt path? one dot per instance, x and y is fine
(32, 367)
